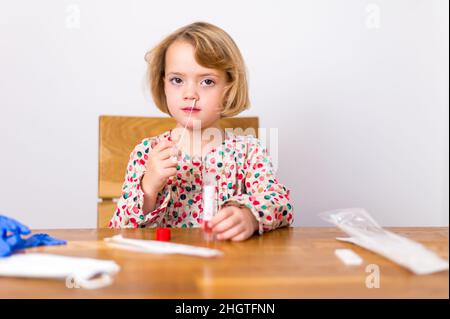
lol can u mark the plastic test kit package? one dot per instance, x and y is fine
(365, 232)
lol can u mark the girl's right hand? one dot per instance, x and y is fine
(160, 166)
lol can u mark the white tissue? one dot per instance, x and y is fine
(80, 270)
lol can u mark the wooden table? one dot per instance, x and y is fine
(286, 263)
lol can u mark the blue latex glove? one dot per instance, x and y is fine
(11, 232)
(39, 240)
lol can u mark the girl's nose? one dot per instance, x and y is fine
(190, 93)
(191, 99)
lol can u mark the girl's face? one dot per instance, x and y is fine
(186, 80)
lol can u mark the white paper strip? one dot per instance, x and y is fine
(159, 247)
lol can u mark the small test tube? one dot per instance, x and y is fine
(209, 196)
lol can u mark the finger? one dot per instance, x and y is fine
(169, 163)
(168, 152)
(16, 227)
(165, 154)
(225, 224)
(162, 145)
(10, 225)
(169, 172)
(221, 215)
(241, 236)
(231, 233)
(23, 229)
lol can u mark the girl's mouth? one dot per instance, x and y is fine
(189, 110)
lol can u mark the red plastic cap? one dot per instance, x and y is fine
(163, 234)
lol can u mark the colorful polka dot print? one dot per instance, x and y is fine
(244, 175)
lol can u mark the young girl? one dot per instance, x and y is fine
(197, 76)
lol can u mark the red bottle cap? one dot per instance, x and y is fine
(163, 234)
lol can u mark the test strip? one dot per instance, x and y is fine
(348, 257)
(157, 247)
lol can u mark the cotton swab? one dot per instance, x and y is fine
(176, 147)
(157, 247)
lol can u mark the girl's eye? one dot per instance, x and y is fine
(176, 80)
(210, 83)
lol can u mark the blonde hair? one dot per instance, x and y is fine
(214, 49)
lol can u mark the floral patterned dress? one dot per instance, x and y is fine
(244, 174)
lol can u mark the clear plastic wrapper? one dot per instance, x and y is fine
(366, 232)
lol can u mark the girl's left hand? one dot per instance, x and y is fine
(235, 223)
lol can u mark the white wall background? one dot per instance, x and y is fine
(358, 90)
